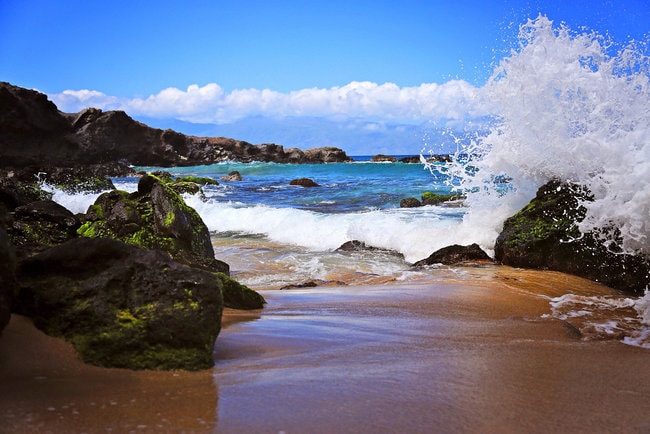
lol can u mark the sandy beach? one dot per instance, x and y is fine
(477, 353)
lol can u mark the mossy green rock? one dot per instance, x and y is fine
(14, 193)
(154, 217)
(238, 296)
(122, 306)
(545, 235)
(198, 180)
(431, 198)
(410, 202)
(40, 225)
(187, 188)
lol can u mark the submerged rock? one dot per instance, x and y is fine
(544, 234)
(304, 182)
(122, 306)
(199, 180)
(232, 176)
(410, 202)
(455, 254)
(154, 217)
(431, 198)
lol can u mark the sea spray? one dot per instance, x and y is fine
(567, 105)
(75, 202)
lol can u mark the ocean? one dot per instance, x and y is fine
(569, 105)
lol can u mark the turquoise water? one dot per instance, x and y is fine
(343, 187)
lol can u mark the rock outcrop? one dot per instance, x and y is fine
(431, 198)
(304, 182)
(410, 202)
(122, 306)
(455, 254)
(544, 235)
(381, 158)
(238, 296)
(35, 131)
(155, 304)
(154, 217)
(360, 246)
(40, 225)
(232, 176)
(7, 271)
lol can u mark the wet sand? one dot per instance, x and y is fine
(468, 354)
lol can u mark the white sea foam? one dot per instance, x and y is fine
(414, 233)
(606, 317)
(77, 202)
(642, 306)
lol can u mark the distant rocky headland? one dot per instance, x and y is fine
(35, 132)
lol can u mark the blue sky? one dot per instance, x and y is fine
(270, 71)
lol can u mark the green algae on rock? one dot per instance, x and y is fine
(238, 296)
(40, 225)
(431, 198)
(122, 306)
(544, 234)
(154, 217)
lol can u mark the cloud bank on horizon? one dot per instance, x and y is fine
(451, 103)
(360, 117)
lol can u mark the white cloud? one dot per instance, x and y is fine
(453, 101)
(75, 100)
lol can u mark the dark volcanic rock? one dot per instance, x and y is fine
(113, 135)
(154, 217)
(431, 198)
(14, 192)
(34, 131)
(410, 160)
(327, 154)
(455, 254)
(7, 272)
(304, 182)
(122, 306)
(381, 158)
(360, 246)
(40, 225)
(232, 176)
(238, 296)
(544, 235)
(410, 202)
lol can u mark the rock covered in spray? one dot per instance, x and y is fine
(544, 234)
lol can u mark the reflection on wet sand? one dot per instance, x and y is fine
(474, 350)
(45, 388)
(475, 355)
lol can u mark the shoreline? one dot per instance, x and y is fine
(462, 355)
(45, 387)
